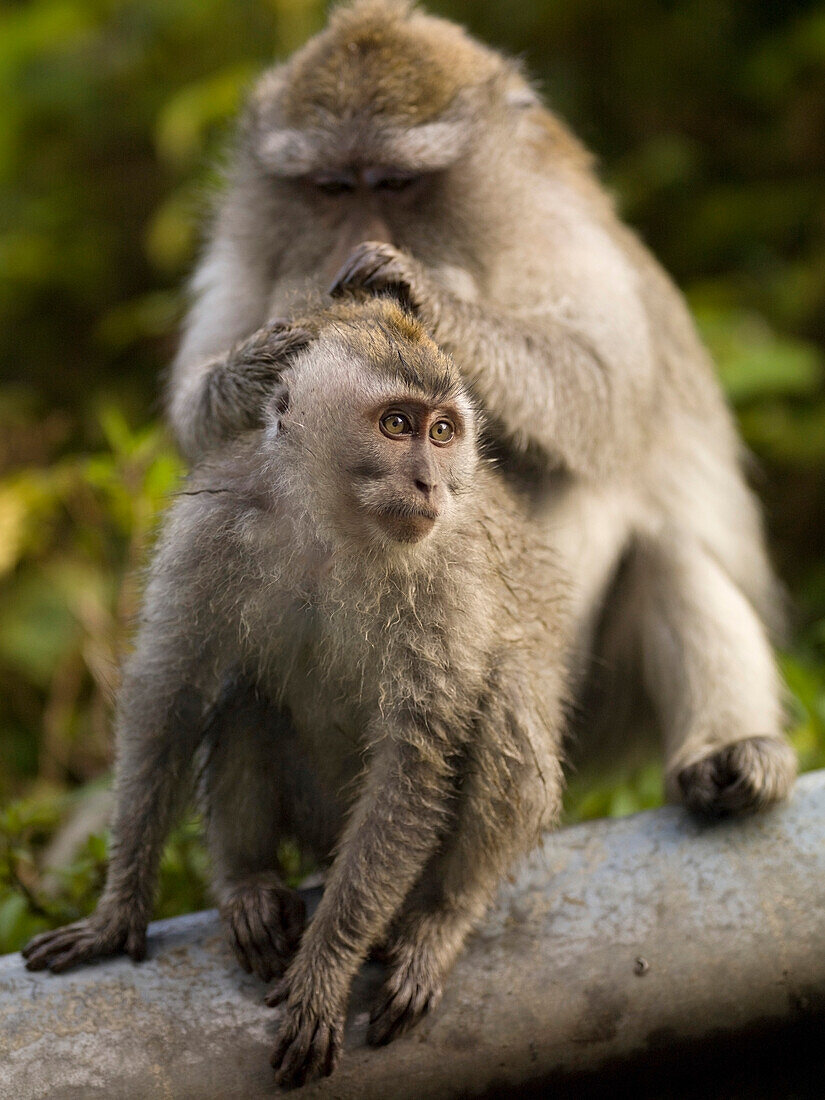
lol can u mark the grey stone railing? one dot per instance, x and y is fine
(656, 953)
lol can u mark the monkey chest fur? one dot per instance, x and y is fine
(346, 670)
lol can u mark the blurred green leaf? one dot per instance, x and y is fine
(753, 361)
(187, 117)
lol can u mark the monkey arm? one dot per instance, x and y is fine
(511, 793)
(161, 720)
(208, 399)
(575, 382)
(395, 828)
(153, 772)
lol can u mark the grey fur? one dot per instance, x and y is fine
(619, 487)
(600, 400)
(407, 707)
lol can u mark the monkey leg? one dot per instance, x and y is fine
(709, 669)
(264, 921)
(509, 795)
(242, 792)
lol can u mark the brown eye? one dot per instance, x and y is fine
(395, 425)
(442, 431)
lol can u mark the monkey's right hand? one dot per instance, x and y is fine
(105, 932)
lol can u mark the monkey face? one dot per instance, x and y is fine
(397, 469)
(404, 486)
(368, 133)
(376, 428)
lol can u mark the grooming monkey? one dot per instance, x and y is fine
(355, 627)
(395, 151)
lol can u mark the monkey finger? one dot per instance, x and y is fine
(266, 950)
(237, 947)
(250, 937)
(293, 1058)
(293, 917)
(322, 1056)
(38, 960)
(279, 951)
(57, 943)
(81, 952)
(401, 1010)
(386, 1023)
(37, 943)
(363, 264)
(334, 1050)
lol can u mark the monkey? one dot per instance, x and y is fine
(393, 151)
(355, 567)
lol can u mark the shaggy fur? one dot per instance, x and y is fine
(398, 703)
(600, 401)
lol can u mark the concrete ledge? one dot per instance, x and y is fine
(621, 947)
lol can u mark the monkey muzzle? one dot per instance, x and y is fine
(405, 522)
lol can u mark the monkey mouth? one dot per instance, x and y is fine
(405, 521)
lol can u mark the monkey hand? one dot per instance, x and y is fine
(311, 1032)
(108, 931)
(239, 387)
(380, 268)
(263, 355)
(264, 921)
(413, 988)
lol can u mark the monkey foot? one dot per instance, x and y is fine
(413, 988)
(93, 938)
(308, 1043)
(739, 778)
(264, 920)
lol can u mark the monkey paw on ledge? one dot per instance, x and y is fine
(656, 954)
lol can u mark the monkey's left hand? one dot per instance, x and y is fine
(310, 1036)
(378, 267)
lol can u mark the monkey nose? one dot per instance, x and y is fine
(426, 486)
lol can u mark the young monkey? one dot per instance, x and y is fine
(359, 563)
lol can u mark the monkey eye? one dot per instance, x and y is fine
(442, 431)
(396, 183)
(383, 179)
(395, 424)
(334, 185)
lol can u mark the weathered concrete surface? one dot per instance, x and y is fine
(729, 919)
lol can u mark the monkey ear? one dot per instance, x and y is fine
(520, 95)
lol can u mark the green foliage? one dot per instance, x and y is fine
(29, 903)
(708, 116)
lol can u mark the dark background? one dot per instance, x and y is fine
(708, 118)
